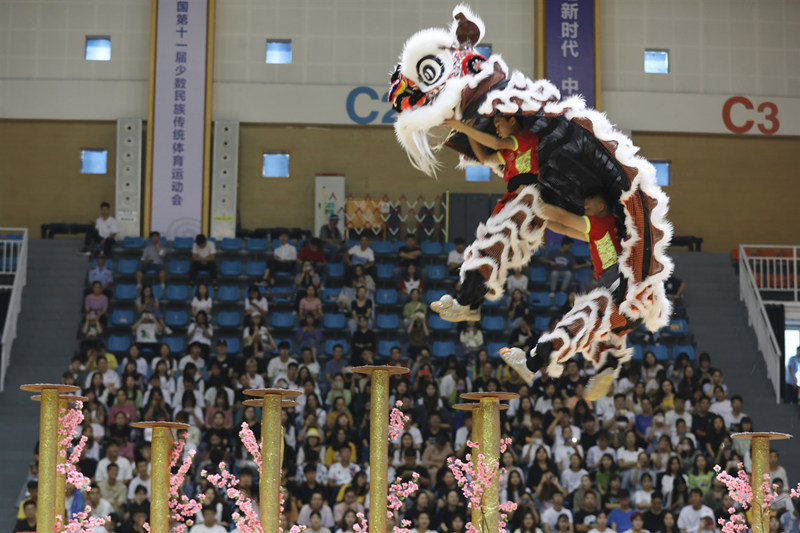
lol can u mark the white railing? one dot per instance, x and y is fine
(775, 269)
(13, 276)
(750, 294)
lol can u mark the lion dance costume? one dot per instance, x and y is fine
(442, 76)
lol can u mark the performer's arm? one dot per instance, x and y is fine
(490, 141)
(564, 230)
(480, 151)
(565, 218)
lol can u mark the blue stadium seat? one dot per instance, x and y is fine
(443, 348)
(122, 317)
(133, 243)
(580, 250)
(436, 272)
(659, 350)
(678, 326)
(275, 243)
(540, 299)
(229, 293)
(386, 297)
(256, 245)
(255, 268)
(638, 353)
(119, 344)
(538, 274)
(494, 303)
(584, 276)
(283, 294)
(561, 299)
(449, 247)
(494, 349)
(385, 270)
(229, 319)
(282, 320)
(432, 296)
(335, 270)
(385, 347)
(182, 243)
(678, 349)
(125, 291)
(436, 323)
(158, 291)
(234, 344)
(387, 322)
(334, 321)
(330, 343)
(210, 291)
(178, 267)
(493, 323)
(330, 295)
(431, 248)
(230, 268)
(542, 323)
(177, 293)
(127, 267)
(382, 247)
(353, 242)
(177, 319)
(176, 344)
(231, 244)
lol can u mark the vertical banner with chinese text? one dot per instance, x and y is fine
(179, 118)
(570, 47)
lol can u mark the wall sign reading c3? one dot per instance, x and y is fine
(364, 106)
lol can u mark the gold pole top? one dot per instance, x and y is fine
(39, 387)
(500, 396)
(260, 393)
(260, 403)
(371, 369)
(153, 425)
(770, 435)
(474, 406)
(69, 397)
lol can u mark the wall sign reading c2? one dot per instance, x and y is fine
(767, 117)
(363, 106)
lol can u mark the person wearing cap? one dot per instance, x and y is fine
(204, 255)
(637, 524)
(102, 274)
(331, 236)
(689, 517)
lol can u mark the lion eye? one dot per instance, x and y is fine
(430, 69)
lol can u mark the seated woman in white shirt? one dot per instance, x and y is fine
(423, 524)
(201, 331)
(202, 300)
(255, 302)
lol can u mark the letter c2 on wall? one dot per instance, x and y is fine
(369, 106)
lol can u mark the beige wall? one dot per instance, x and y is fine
(730, 190)
(40, 178)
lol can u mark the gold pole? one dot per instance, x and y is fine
(61, 479)
(151, 113)
(160, 458)
(379, 442)
(211, 16)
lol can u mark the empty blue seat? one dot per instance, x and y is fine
(228, 319)
(127, 267)
(494, 349)
(335, 270)
(256, 245)
(387, 321)
(177, 293)
(561, 299)
(432, 296)
(230, 268)
(276, 243)
(177, 319)
(540, 299)
(133, 243)
(385, 347)
(493, 303)
(178, 267)
(385, 270)
(542, 323)
(538, 274)
(125, 291)
(352, 242)
(122, 317)
(119, 344)
(231, 244)
(229, 293)
(158, 291)
(443, 348)
(449, 247)
(283, 294)
(436, 272)
(331, 343)
(176, 344)
(493, 323)
(660, 351)
(255, 268)
(638, 353)
(678, 349)
(584, 276)
(282, 320)
(182, 243)
(330, 295)
(386, 297)
(678, 326)
(382, 247)
(334, 321)
(580, 250)
(437, 323)
(431, 248)
(109, 264)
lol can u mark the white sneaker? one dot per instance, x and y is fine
(599, 385)
(168, 330)
(516, 359)
(449, 309)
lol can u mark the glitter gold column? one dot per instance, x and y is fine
(48, 452)
(160, 458)
(760, 454)
(489, 414)
(379, 442)
(269, 486)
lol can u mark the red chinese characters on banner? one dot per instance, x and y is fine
(766, 122)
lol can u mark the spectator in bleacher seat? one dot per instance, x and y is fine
(456, 257)
(313, 253)
(306, 277)
(202, 300)
(284, 260)
(691, 514)
(331, 236)
(209, 523)
(204, 255)
(146, 302)
(201, 332)
(409, 254)
(152, 260)
(562, 263)
(362, 254)
(411, 280)
(517, 281)
(790, 388)
(418, 334)
(471, 338)
(109, 379)
(518, 309)
(27, 524)
(523, 335)
(279, 366)
(585, 516)
(412, 307)
(258, 341)
(316, 504)
(256, 302)
(113, 490)
(361, 305)
(96, 301)
(552, 514)
(193, 356)
(100, 272)
(311, 306)
(147, 331)
(309, 334)
(125, 473)
(92, 326)
(363, 339)
(101, 233)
